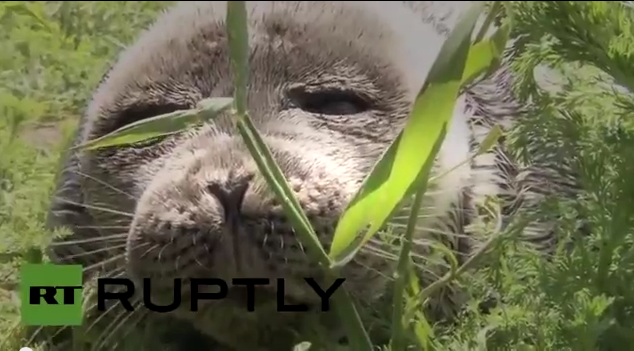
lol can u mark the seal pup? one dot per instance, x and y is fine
(331, 85)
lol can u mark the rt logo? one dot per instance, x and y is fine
(51, 295)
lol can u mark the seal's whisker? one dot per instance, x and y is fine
(116, 323)
(104, 313)
(438, 263)
(102, 227)
(156, 246)
(109, 332)
(378, 253)
(88, 309)
(198, 262)
(114, 237)
(36, 333)
(423, 229)
(115, 272)
(142, 315)
(163, 249)
(405, 217)
(111, 270)
(425, 212)
(374, 270)
(104, 262)
(177, 261)
(98, 208)
(120, 191)
(394, 258)
(93, 306)
(395, 255)
(63, 328)
(103, 249)
(418, 246)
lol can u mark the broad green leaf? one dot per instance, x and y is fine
(384, 188)
(165, 124)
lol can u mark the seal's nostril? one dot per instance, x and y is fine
(231, 194)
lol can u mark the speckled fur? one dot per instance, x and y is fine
(162, 192)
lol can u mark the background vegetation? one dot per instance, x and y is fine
(53, 53)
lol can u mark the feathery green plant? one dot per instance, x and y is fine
(581, 297)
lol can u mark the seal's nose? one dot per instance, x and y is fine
(230, 194)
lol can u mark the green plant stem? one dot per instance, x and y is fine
(397, 341)
(239, 52)
(343, 304)
(261, 155)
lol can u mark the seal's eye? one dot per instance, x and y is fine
(329, 102)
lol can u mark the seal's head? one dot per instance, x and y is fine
(331, 85)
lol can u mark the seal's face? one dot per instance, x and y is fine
(330, 86)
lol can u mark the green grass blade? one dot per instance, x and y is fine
(165, 124)
(275, 178)
(239, 52)
(421, 331)
(348, 253)
(486, 55)
(490, 140)
(384, 189)
(482, 56)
